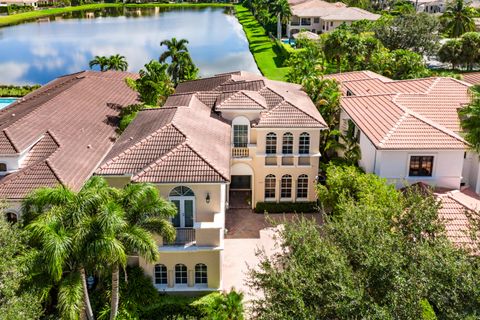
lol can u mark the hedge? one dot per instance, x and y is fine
(286, 207)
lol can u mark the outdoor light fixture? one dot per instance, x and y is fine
(207, 198)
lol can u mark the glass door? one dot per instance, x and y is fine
(185, 212)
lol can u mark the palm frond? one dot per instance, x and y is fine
(70, 296)
(140, 241)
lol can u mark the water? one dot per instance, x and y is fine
(6, 101)
(38, 52)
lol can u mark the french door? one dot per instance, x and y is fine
(185, 211)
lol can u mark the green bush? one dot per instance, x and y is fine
(283, 51)
(286, 207)
(427, 310)
(16, 91)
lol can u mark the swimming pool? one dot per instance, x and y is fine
(6, 101)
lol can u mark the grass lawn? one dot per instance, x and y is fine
(268, 60)
(20, 17)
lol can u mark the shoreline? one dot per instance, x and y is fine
(32, 15)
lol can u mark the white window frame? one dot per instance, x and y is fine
(241, 121)
(297, 187)
(282, 198)
(175, 275)
(161, 285)
(274, 188)
(201, 284)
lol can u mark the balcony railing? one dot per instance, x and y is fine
(240, 152)
(183, 236)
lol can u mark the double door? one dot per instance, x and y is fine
(185, 212)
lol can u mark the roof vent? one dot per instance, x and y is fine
(13, 114)
(131, 138)
(89, 146)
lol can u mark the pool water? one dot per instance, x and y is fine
(6, 101)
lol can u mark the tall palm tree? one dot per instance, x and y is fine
(56, 217)
(281, 9)
(144, 213)
(100, 61)
(117, 62)
(460, 18)
(179, 56)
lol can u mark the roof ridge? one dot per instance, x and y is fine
(394, 128)
(432, 85)
(138, 143)
(10, 140)
(50, 165)
(428, 121)
(208, 162)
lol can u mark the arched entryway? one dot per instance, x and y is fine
(11, 217)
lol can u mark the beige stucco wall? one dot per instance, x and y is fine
(256, 162)
(212, 259)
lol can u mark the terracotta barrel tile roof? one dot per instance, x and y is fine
(472, 78)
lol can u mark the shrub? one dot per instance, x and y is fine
(286, 207)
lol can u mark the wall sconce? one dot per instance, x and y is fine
(207, 198)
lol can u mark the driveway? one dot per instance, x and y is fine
(248, 232)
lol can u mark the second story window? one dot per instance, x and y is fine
(304, 144)
(271, 144)
(287, 144)
(240, 136)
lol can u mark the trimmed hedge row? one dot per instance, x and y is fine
(286, 207)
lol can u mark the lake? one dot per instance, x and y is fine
(38, 52)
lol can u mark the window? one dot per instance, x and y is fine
(181, 192)
(180, 274)
(240, 136)
(306, 21)
(160, 274)
(286, 190)
(302, 186)
(331, 23)
(316, 20)
(201, 274)
(421, 166)
(3, 167)
(11, 217)
(271, 144)
(287, 147)
(270, 182)
(304, 143)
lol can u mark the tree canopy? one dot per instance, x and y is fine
(459, 18)
(381, 254)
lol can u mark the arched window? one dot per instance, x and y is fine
(181, 192)
(11, 217)
(302, 186)
(3, 167)
(286, 189)
(201, 274)
(181, 274)
(271, 144)
(270, 182)
(287, 145)
(160, 274)
(304, 143)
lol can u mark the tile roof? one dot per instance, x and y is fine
(66, 128)
(188, 141)
(404, 114)
(472, 78)
(457, 210)
(388, 125)
(330, 11)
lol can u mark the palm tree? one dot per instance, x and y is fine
(101, 61)
(179, 56)
(460, 18)
(56, 219)
(451, 51)
(142, 213)
(281, 9)
(117, 62)
(335, 46)
(470, 120)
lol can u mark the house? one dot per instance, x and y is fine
(430, 6)
(59, 133)
(319, 16)
(214, 140)
(409, 130)
(471, 77)
(232, 138)
(33, 3)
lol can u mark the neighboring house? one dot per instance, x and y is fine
(459, 212)
(319, 16)
(33, 3)
(59, 133)
(409, 130)
(471, 77)
(430, 6)
(213, 137)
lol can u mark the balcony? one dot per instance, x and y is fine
(240, 152)
(184, 236)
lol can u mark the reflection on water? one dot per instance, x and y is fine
(42, 50)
